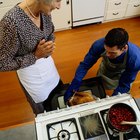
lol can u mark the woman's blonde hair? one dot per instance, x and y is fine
(46, 1)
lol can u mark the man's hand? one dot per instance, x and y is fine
(74, 87)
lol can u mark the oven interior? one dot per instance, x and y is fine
(94, 85)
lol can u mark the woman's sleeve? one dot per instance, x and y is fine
(9, 44)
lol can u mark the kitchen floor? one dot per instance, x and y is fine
(14, 108)
(25, 132)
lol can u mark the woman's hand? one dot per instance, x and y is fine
(44, 49)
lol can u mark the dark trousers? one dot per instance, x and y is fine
(43, 106)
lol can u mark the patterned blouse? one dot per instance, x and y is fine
(19, 37)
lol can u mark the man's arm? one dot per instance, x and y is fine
(90, 59)
(125, 82)
(132, 68)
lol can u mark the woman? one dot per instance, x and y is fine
(26, 45)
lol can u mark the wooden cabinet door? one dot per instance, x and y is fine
(62, 17)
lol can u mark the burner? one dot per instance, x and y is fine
(113, 135)
(63, 130)
(63, 135)
(92, 127)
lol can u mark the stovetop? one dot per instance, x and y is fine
(63, 130)
(113, 135)
(83, 122)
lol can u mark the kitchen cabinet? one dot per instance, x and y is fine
(4, 10)
(133, 8)
(76, 12)
(118, 9)
(6, 5)
(115, 9)
(62, 17)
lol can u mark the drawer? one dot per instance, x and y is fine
(3, 11)
(117, 4)
(131, 1)
(5, 3)
(133, 9)
(114, 14)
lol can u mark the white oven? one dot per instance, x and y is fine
(84, 122)
(87, 11)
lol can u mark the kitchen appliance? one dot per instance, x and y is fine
(85, 121)
(93, 85)
(87, 11)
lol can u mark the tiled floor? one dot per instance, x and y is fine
(26, 132)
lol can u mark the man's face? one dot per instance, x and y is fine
(114, 52)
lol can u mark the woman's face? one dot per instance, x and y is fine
(47, 8)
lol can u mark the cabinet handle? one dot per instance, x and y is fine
(115, 13)
(67, 2)
(69, 22)
(118, 3)
(137, 5)
(1, 2)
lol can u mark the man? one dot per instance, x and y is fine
(119, 66)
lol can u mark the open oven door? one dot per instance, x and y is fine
(94, 85)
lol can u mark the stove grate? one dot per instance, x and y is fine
(63, 130)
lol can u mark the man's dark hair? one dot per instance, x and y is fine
(116, 37)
